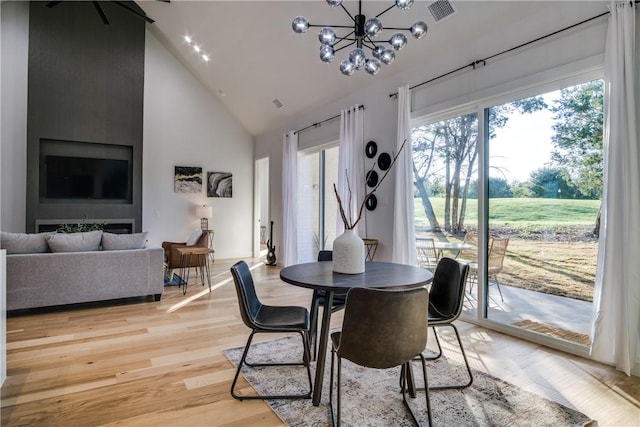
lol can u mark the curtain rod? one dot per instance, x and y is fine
(318, 124)
(483, 62)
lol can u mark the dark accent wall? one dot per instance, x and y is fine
(85, 84)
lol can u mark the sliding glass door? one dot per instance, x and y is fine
(445, 161)
(520, 190)
(544, 190)
(317, 206)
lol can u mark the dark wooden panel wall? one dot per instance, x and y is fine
(86, 84)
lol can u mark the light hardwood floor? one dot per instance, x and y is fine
(161, 363)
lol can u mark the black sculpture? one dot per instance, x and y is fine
(271, 254)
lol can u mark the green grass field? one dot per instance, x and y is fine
(520, 212)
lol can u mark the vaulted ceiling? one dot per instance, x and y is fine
(256, 58)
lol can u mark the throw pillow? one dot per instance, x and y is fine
(118, 242)
(23, 243)
(75, 242)
(193, 238)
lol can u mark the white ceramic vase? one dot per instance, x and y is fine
(348, 253)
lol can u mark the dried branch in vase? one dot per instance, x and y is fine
(349, 224)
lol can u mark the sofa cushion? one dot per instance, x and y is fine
(117, 242)
(23, 243)
(193, 237)
(75, 242)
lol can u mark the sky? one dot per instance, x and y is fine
(523, 145)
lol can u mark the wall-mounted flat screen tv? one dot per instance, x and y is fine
(87, 178)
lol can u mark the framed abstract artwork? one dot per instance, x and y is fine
(219, 184)
(187, 179)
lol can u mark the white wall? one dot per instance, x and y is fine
(185, 126)
(14, 32)
(571, 51)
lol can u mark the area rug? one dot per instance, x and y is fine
(553, 331)
(372, 397)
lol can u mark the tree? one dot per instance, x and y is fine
(498, 188)
(552, 183)
(449, 149)
(578, 115)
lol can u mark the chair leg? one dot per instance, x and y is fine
(242, 359)
(404, 372)
(331, 384)
(498, 285)
(306, 357)
(466, 362)
(437, 356)
(472, 280)
(435, 334)
(335, 416)
(426, 389)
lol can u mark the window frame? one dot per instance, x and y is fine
(481, 107)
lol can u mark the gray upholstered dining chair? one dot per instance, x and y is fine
(382, 329)
(266, 318)
(317, 300)
(446, 298)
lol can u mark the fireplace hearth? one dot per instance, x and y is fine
(117, 226)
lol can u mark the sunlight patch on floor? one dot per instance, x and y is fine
(203, 292)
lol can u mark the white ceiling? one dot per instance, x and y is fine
(256, 57)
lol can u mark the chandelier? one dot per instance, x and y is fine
(363, 34)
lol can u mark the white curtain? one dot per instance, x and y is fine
(289, 199)
(351, 167)
(404, 234)
(615, 330)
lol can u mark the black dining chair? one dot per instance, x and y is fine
(382, 329)
(317, 300)
(446, 297)
(265, 318)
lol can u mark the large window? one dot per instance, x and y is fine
(317, 206)
(521, 188)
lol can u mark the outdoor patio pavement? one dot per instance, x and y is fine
(521, 304)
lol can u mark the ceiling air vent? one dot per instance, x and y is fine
(277, 103)
(440, 10)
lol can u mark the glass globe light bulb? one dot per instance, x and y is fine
(347, 68)
(327, 35)
(419, 30)
(334, 3)
(300, 25)
(378, 51)
(372, 66)
(387, 56)
(373, 27)
(403, 4)
(327, 53)
(357, 57)
(398, 41)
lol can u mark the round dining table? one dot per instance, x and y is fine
(320, 276)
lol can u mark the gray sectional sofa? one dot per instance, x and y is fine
(45, 279)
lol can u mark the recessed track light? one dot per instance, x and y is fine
(196, 47)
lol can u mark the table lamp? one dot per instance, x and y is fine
(204, 212)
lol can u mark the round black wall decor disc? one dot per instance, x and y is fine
(372, 178)
(371, 149)
(371, 202)
(384, 161)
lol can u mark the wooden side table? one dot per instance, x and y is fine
(210, 233)
(186, 256)
(372, 246)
